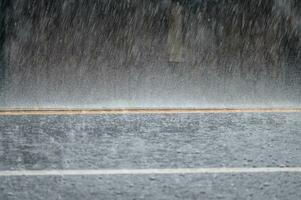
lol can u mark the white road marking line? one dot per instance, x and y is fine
(149, 171)
(17, 112)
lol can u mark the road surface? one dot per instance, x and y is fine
(213, 155)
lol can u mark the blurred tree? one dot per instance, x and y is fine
(4, 5)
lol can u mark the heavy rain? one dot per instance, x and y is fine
(150, 99)
(150, 53)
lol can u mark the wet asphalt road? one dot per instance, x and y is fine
(151, 141)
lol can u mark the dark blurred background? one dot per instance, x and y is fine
(150, 53)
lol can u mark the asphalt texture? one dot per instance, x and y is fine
(212, 187)
(145, 141)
